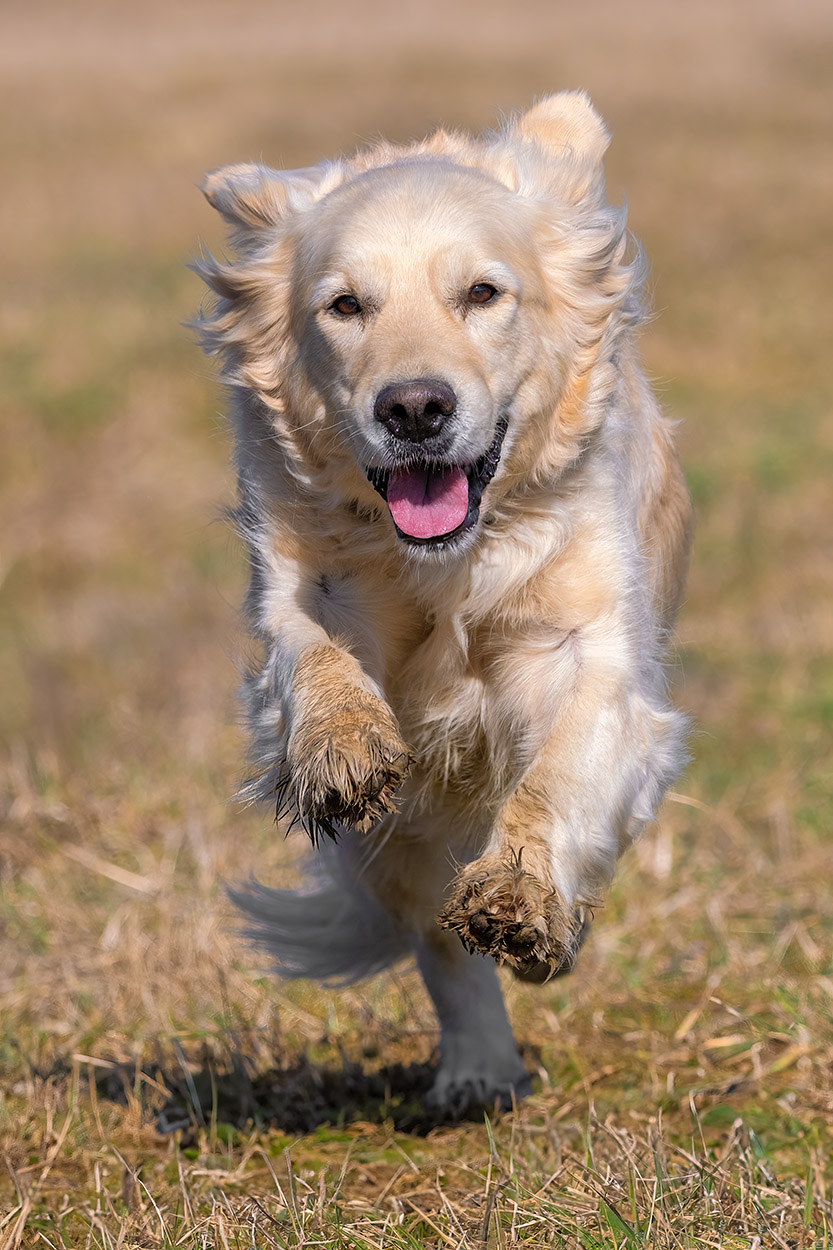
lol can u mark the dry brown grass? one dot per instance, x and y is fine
(685, 1070)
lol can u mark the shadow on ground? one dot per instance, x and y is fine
(296, 1099)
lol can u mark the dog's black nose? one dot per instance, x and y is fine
(415, 410)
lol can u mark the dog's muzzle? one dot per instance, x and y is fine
(432, 503)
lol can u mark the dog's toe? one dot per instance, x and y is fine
(484, 927)
(521, 938)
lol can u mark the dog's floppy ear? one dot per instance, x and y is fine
(254, 197)
(556, 147)
(566, 125)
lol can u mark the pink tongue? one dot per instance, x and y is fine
(426, 503)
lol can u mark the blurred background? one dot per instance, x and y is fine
(119, 635)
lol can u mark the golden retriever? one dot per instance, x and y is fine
(468, 533)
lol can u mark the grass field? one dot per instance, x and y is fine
(157, 1088)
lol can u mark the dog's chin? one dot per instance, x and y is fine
(477, 477)
(444, 547)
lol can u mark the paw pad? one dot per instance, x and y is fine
(500, 908)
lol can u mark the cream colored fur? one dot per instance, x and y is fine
(483, 723)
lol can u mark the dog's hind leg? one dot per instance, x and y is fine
(479, 1061)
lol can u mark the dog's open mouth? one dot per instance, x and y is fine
(432, 503)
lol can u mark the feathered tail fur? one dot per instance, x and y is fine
(337, 934)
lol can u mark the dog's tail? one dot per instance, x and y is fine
(337, 934)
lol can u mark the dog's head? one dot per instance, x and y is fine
(417, 315)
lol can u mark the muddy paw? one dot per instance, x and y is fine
(347, 771)
(498, 907)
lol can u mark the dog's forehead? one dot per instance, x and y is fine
(418, 207)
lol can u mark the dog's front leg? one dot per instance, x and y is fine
(323, 735)
(345, 756)
(612, 749)
(507, 903)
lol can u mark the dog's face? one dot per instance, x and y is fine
(411, 309)
(417, 292)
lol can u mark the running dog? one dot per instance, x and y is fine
(468, 534)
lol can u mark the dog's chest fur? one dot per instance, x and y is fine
(474, 683)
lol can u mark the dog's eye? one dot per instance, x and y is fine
(346, 306)
(482, 293)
